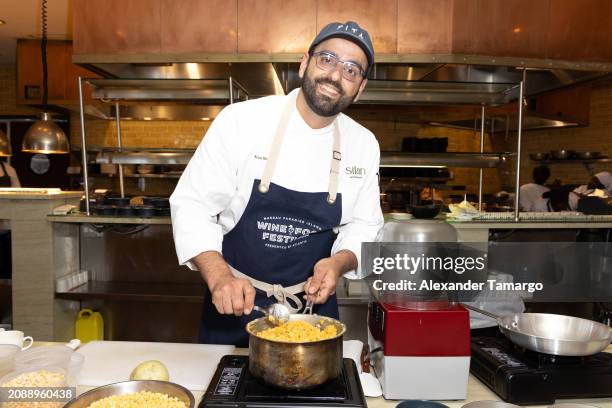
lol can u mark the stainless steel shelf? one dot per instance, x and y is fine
(574, 161)
(438, 92)
(210, 90)
(470, 160)
(152, 176)
(150, 157)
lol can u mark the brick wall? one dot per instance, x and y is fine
(140, 134)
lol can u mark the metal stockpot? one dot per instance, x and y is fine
(295, 365)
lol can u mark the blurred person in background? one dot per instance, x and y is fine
(8, 175)
(531, 193)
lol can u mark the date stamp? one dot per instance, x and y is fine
(37, 394)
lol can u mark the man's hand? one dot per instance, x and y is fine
(322, 284)
(230, 295)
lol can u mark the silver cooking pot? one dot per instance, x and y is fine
(295, 365)
(551, 333)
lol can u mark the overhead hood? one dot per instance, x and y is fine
(393, 85)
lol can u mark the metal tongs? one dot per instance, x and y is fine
(310, 304)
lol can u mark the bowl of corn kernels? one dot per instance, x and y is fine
(28, 388)
(147, 393)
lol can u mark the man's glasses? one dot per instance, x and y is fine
(328, 62)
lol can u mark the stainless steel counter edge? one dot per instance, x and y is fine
(96, 219)
(54, 196)
(100, 219)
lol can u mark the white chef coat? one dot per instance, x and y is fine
(530, 194)
(214, 189)
(605, 178)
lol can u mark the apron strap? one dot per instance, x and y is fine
(264, 184)
(273, 154)
(334, 172)
(280, 293)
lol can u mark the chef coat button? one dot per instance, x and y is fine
(263, 189)
(330, 200)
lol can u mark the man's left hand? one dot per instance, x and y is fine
(322, 284)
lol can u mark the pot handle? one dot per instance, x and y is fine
(478, 310)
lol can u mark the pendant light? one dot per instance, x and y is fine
(5, 147)
(44, 136)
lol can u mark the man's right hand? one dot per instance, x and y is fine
(232, 295)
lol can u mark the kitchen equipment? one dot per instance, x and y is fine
(129, 387)
(190, 365)
(117, 201)
(420, 343)
(420, 353)
(162, 212)
(424, 211)
(562, 154)
(145, 168)
(145, 211)
(588, 155)
(295, 365)
(157, 202)
(57, 380)
(44, 356)
(276, 313)
(551, 333)
(89, 326)
(106, 210)
(539, 156)
(125, 211)
(60, 357)
(524, 377)
(234, 385)
(16, 338)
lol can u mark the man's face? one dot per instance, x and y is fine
(328, 92)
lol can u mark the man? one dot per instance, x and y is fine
(282, 192)
(600, 181)
(531, 193)
(8, 175)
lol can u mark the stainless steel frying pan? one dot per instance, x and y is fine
(551, 333)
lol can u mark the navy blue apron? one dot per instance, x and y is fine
(281, 235)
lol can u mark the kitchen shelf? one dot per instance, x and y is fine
(587, 163)
(470, 160)
(82, 218)
(153, 176)
(209, 90)
(574, 161)
(148, 157)
(136, 291)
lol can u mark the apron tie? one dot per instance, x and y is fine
(281, 294)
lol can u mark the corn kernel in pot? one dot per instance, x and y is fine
(298, 332)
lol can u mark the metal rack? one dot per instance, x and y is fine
(455, 93)
(112, 92)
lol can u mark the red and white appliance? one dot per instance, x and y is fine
(421, 352)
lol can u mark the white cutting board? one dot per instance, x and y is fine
(190, 365)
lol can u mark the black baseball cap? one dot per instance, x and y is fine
(350, 31)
